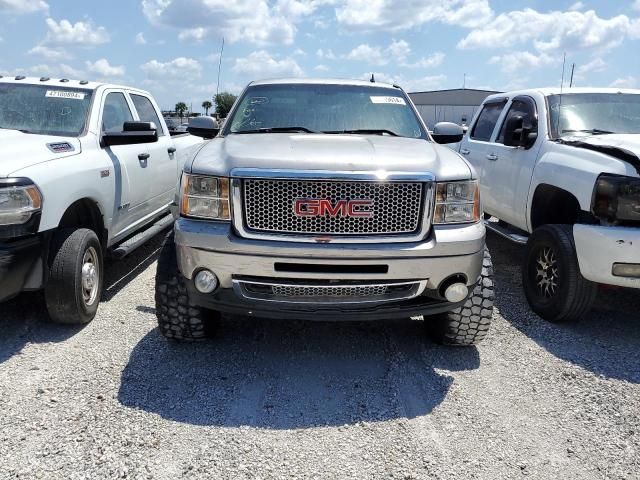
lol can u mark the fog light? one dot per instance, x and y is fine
(631, 270)
(456, 292)
(205, 281)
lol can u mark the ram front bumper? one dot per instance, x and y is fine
(417, 269)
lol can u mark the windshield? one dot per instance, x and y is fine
(44, 109)
(325, 109)
(594, 113)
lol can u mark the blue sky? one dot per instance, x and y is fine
(171, 47)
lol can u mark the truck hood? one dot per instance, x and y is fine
(624, 147)
(328, 152)
(22, 150)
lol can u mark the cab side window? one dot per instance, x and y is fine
(487, 120)
(519, 108)
(116, 112)
(146, 112)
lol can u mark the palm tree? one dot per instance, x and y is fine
(181, 108)
(207, 105)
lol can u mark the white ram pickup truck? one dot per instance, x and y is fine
(560, 171)
(86, 169)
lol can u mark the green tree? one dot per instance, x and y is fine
(207, 105)
(224, 102)
(181, 109)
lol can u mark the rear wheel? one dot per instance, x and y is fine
(553, 284)
(73, 290)
(469, 324)
(178, 318)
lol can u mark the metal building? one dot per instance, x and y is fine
(457, 105)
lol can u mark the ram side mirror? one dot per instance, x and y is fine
(132, 133)
(205, 127)
(518, 132)
(447, 132)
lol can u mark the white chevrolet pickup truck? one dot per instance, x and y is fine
(86, 169)
(560, 171)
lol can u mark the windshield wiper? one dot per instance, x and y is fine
(593, 131)
(278, 130)
(366, 131)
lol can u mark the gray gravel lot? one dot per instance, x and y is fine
(286, 399)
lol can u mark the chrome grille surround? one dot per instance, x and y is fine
(403, 205)
(327, 294)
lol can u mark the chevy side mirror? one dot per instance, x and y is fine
(519, 133)
(447, 132)
(132, 133)
(205, 127)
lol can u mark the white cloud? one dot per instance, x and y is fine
(577, 6)
(299, 52)
(23, 6)
(50, 53)
(327, 54)
(261, 64)
(550, 32)
(102, 67)
(180, 67)
(595, 65)
(429, 61)
(389, 15)
(255, 21)
(56, 71)
(430, 82)
(397, 52)
(625, 82)
(140, 40)
(520, 63)
(78, 34)
(321, 68)
(636, 5)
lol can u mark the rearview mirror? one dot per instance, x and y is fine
(447, 132)
(518, 132)
(205, 127)
(132, 133)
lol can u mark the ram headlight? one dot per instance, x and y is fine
(617, 199)
(205, 197)
(18, 203)
(457, 202)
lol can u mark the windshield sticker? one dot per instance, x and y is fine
(65, 94)
(388, 100)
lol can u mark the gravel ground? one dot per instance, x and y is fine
(281, 399)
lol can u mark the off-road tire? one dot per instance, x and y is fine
(469, 324)
(574, 295)
(178, 318)
(63, 292)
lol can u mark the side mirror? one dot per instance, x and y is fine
(519, 133)
(205, 127)
(447, 132)
(132, 133)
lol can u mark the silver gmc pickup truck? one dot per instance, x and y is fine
(327, 200)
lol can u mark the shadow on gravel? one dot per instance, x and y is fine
(23, 319)
(289, 374)
(604, 342)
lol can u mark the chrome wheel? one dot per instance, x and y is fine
(547, 272)
(90, 276)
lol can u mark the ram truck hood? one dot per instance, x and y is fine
(22, 150)
(329, 152)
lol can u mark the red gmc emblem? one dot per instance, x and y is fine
(320, 207)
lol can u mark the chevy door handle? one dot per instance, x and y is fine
(171, 150)
(143, 156)
(492, 156)
(464, 151)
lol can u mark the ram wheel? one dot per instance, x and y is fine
(178, 318)
(74, 286)
(469, 324)
(553, 284)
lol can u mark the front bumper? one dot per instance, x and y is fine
(20, 266)
(449, 250)
(599, 248)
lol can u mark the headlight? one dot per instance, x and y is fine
(205, 197)
(457, 202)
(18, 203)
(617, 199)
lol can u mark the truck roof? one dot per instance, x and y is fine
(556, 91)
(321, 81)
(62, 82)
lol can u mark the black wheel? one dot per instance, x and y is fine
(178, 318)
(469, 324)
(73, 290)
(553, 284)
